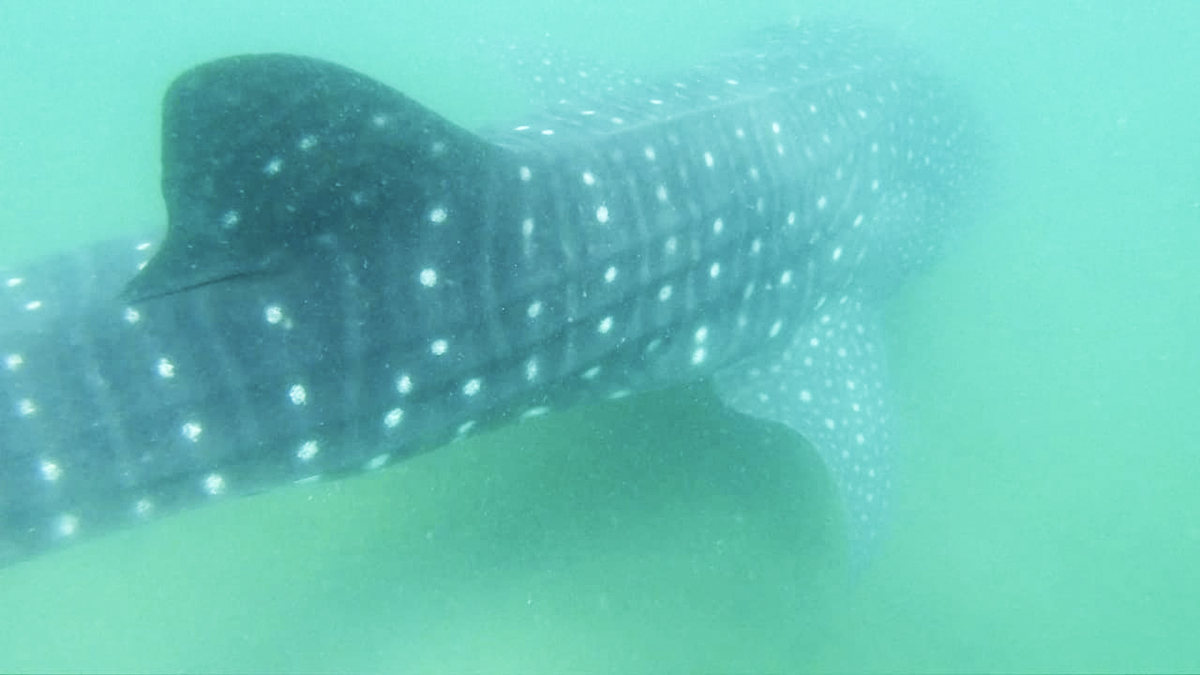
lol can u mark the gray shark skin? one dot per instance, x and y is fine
(348, 279)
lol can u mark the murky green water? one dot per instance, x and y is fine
(1047, 513)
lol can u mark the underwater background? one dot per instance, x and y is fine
(1047, 379)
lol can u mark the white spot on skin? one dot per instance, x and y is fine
(13, 282)
(698, 356)
(143, 507)
(534, 309)
(775, 328)
(605, 325)
(297, 395)
(785, 278)
(858, 220)
(273, 314)
(708, 160)
(472, 387)
(307, 143)
(715, 270)
(308, 450)
(830, 424)
(821, 202)
(806, 396)
(214, 484)
(67, 525)
(428, 277)
(165, 368)
(50, 471)
(377, 462)
(33, 305)
(531, 369)
(438, 215)
(191, 431)
(775, 127)
(273, 167)
(465, 428)
(26, 407)
(526, 174)
(231, 219)
(591, 373)
(602, 214)
(14, 361)
(393, 418)
(701, 334)
(661, 193)
(718, 226)
(404, 384)
(535, 412)
(756, 246)
(527, 227)
(837, 253)
(131, 315)
(589, 178)
(438, 347)
(664, 293)
(379, 120)
(649, 152)
(671, 245)
(610, 275)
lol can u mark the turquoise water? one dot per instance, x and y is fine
(1047, 511)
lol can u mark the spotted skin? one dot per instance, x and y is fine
(348, 279)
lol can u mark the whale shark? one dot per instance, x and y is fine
(348, 279)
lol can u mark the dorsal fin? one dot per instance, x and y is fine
(264, 153)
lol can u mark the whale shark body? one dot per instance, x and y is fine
(348, 279)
